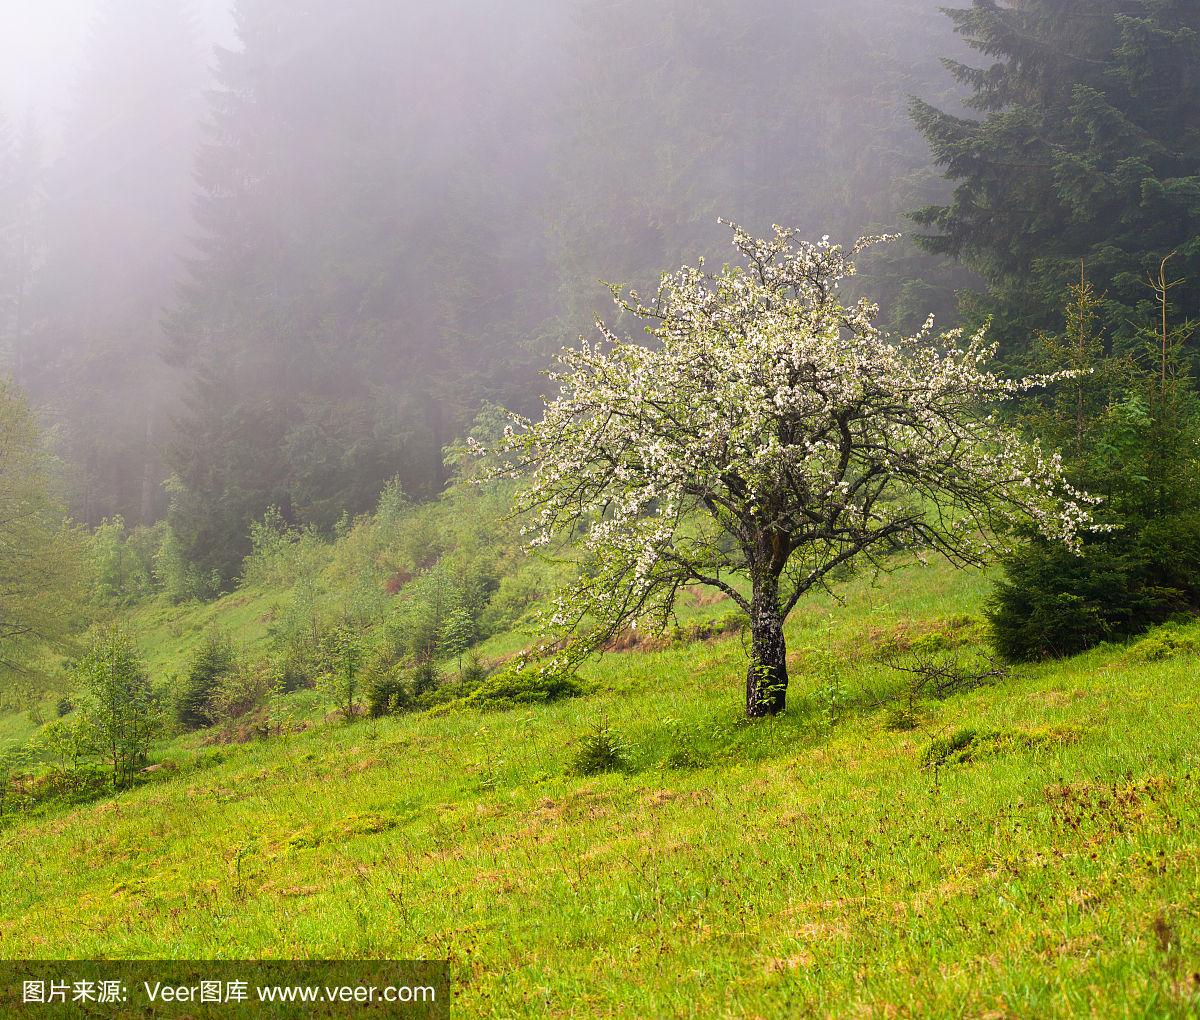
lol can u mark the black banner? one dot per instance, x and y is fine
(218, 989)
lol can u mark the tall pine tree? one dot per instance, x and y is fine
(369, 247)
(1087, 146)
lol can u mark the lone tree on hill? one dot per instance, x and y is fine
(766, 437)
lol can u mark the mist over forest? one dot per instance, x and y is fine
(282, 268)
(638, 508)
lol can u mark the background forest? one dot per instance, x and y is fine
(245, 292)
(278, 675)
(287, 272)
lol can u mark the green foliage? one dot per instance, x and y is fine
(600, 750)
(392, 505)
(1165, 643)
(340, 679)
(456, 635)
(175, 576)
(1130, 430)
(194, 698)
(64, 741)
(971, 744)
(42, 561)
(1078, 153)
(129, 567)
(487, 805)
(244, 689)
(424, 678)
(123, 566)
(117, 708)
(1052, 603)
(518, 684)
(958, 747)
(280, 555)
(437, 611)
(389, 693)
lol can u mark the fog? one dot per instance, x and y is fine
(276, 253)
(43, 41)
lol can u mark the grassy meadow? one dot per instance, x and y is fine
(803, 866)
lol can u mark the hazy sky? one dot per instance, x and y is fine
(41, 42)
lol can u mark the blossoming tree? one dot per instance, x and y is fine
(768, 435)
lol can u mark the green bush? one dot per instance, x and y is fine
(600, 750)
(118, 712)
(424, 678)
(245, 688)
(389, 692)
(958, 747)
(523, 685)
(340, 679)
(1166, 643)
(122, 562)
(1054, 603)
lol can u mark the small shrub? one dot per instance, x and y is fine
(342, 652)
(958, 747)
(424, 678)
(63, 741)
(243, 690)
(473, 672)
(941, 675)
(1166, 643)
(968, 745)
(523, 685)
(600, 750)
(118, 711)
(456, 635)
(388, 693)
(901, 718)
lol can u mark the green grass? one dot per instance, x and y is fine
(802, 866)
(170, 634)
(15, 730)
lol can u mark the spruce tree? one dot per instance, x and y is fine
(1129, 428)
(1084, 144)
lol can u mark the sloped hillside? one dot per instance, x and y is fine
(1029, 847)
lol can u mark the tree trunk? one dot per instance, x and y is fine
(767, 678)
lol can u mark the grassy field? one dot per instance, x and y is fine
(803, 866)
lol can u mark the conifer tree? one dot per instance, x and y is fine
(1085, 146)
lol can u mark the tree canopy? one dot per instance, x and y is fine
(767, 436)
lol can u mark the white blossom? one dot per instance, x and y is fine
(767, 430)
